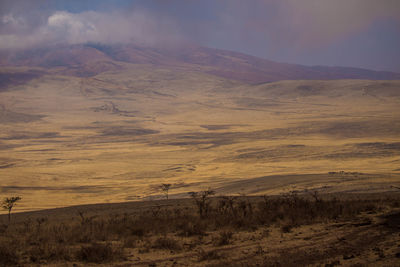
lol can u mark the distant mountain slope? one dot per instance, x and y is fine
(14, 78)
(91, 59)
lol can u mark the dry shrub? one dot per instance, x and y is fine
(190, 228)
(167, 243)
(3, 228)
(208, 255)
(230, 263)
(48, 252)
(100, 253)
(50, 240)
(137, 231)
(223, 238)
(8, 255)
(130, 242)
(287, 228)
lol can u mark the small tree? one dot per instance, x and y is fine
(8, 204)
(315, 195)
(165, 188)
(202, 201)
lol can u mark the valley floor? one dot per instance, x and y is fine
(118, 136)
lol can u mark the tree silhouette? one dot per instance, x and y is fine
(8, 204)
(165, 188)
(202, 201)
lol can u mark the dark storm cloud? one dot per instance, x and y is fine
(286, 30)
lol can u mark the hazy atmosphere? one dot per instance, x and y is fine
(356, 33)
(216, 133)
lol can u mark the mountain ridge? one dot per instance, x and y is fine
(87, 60)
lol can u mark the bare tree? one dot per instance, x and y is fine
(165, 188)
(315, 195)
(226, 204)
(8, 204)
(202, 201)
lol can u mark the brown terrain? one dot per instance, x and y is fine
(286, 230)
(303, 161)
(91, 59)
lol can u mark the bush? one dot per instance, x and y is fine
(8, 255)
(224, 238)
(167, 243)
(286, 228)
(100, 253)
(188, 228)
(86, 239)
(49, 252)
(208, 255)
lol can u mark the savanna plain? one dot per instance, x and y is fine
(286, 173)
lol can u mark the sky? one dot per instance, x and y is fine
(356, 33)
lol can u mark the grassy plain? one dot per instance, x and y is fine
(118, 136)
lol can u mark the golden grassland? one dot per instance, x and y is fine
(119, 135)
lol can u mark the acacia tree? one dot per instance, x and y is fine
(8, 204)
(165, 188)
(202, 201)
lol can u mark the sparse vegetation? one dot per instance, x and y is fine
(167, 243)
(224, 238)
(9, 203)
(208, 255)
(165, 188)
(100, 253)
(134, 123)
(222, 221)
(8, 254)
(202, 200)
(215, 122)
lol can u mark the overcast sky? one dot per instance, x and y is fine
(359, 33)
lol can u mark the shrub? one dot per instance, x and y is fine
(8, 255)
(136, 231)
(49, 252)
(167, 243)
(130, 242)
(100, 253)
(188, 228)
(208, 255)
(286, 228)
(224, 238)
(202, 200)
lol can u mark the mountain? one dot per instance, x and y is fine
(91, 59)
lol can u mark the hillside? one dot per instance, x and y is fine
(119, 135)
(91, 59)
(305, 168)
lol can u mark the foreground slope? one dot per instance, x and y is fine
(291, 230)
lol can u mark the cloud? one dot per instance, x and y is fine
(304, 24)
(63, 27)
(297, 31)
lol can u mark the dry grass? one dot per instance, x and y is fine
(175, 229)
(100, 253)
(82, 138)
(142, 127)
